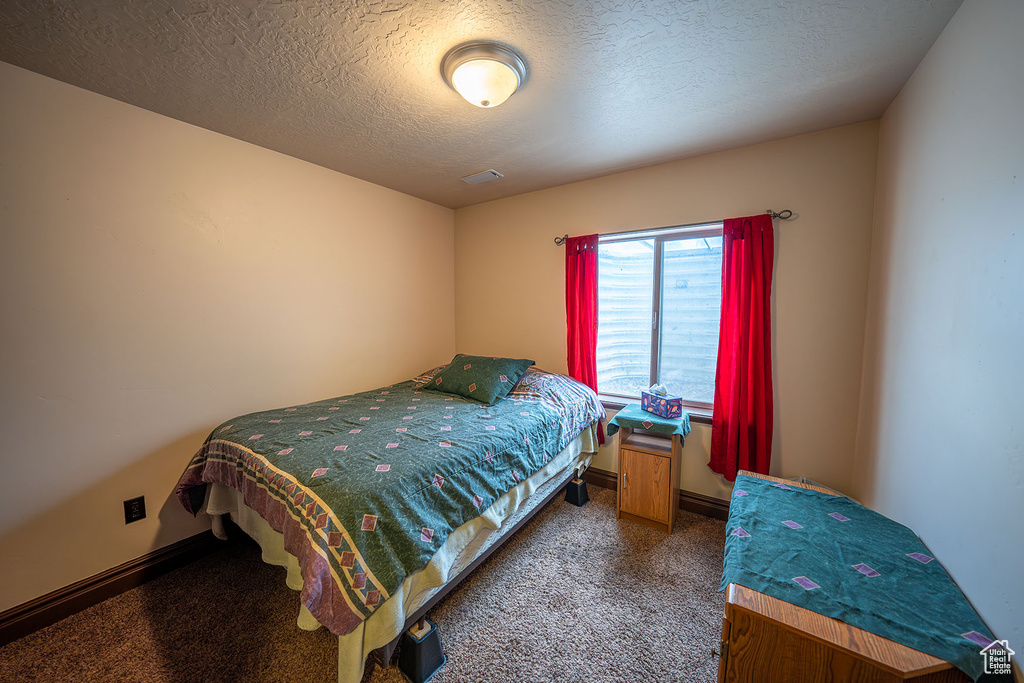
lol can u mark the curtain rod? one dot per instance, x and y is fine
(782, 215)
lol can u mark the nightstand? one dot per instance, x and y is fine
(648, 489)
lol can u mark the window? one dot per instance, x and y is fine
(659, 297)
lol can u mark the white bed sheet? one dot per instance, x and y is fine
(463, 546)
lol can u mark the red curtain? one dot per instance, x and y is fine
(581, 311)
(741, 431)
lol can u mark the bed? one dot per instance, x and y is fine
(379, 502)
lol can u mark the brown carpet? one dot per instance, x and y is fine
(576, 596)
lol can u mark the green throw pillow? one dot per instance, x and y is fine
(480, 378)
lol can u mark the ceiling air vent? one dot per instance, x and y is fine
(482, 177)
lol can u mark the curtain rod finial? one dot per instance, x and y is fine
(562, 240)
(784, 214)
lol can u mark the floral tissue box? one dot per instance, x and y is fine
(663, 406)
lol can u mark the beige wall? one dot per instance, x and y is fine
(940, 439)
(509, 278)
(158, 278)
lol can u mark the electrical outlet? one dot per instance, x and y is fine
(134, 509)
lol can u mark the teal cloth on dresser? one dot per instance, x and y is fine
(635, 417)
(832, 556)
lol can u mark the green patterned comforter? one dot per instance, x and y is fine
(366, 488)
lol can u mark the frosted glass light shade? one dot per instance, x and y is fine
(484, 82)
(485, 74)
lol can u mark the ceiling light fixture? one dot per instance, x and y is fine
(485, 74)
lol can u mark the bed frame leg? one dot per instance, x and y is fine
(421, 654)
(576, 492)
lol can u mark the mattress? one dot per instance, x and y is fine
(366, 488)
(466, 543)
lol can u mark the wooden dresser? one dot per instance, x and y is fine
(767, 639)
(648, 489)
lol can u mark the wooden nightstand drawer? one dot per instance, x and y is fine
(646, 484)
(648, 489)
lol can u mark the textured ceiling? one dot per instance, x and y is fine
(612, 85)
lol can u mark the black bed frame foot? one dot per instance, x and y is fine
(576, 493)
(419, 658)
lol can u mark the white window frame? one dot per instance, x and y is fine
(660, 236)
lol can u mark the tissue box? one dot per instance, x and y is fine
(663, 406)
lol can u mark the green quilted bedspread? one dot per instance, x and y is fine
(367, 487)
